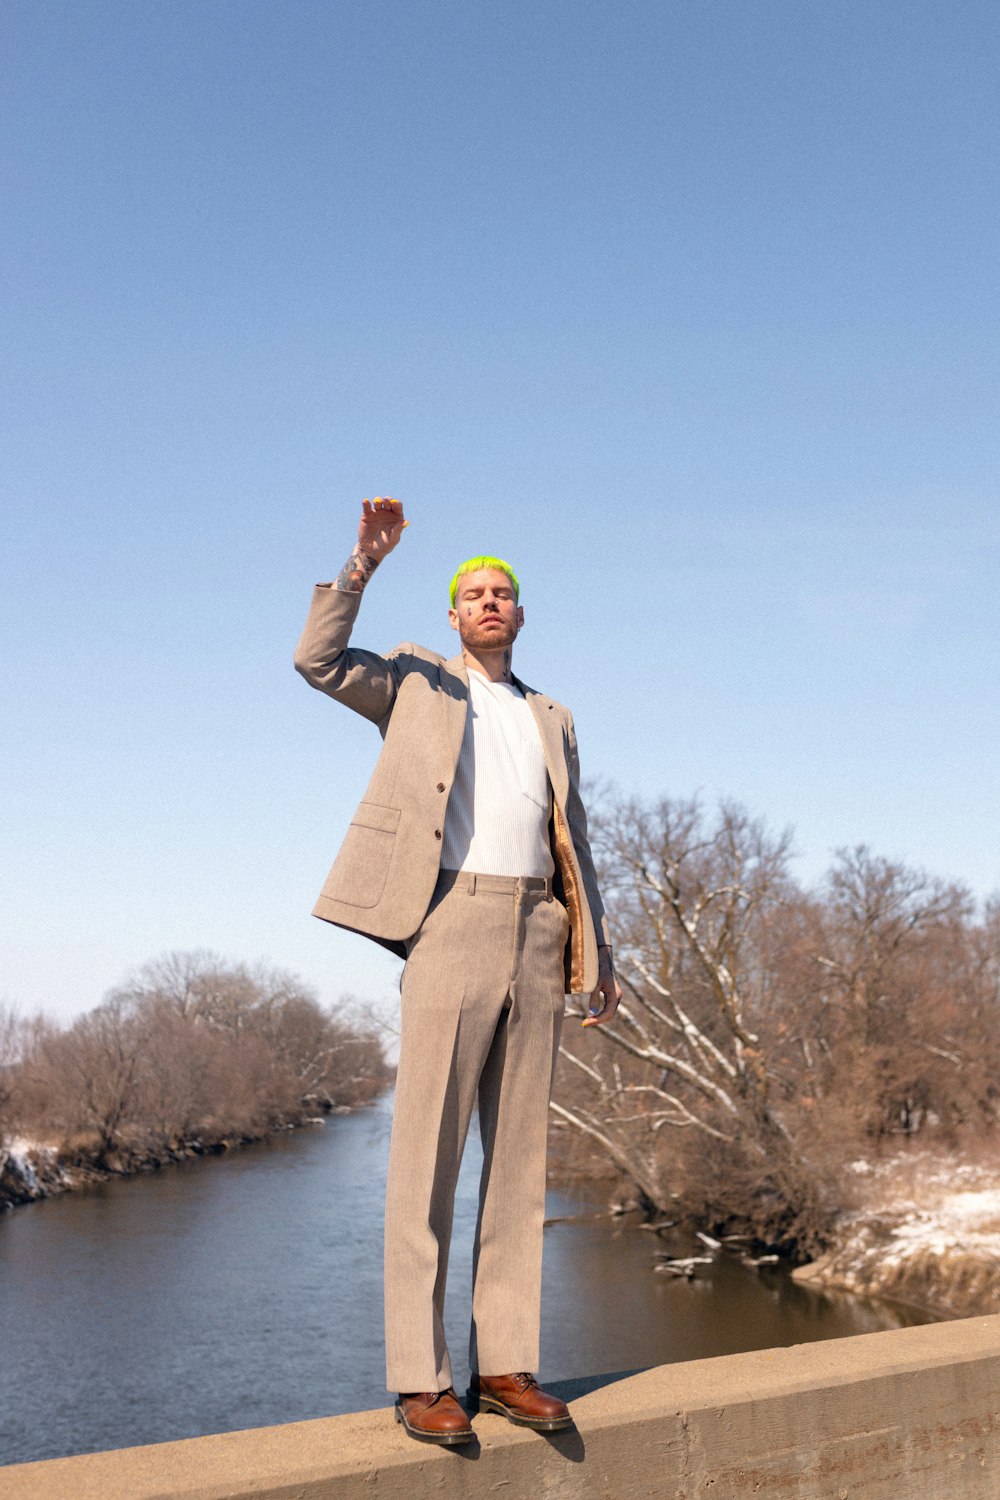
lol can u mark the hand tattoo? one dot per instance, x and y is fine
(356, 572)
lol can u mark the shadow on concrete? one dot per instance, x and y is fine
(572, 1390)
(568, 1443)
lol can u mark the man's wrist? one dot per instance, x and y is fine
(356, 571)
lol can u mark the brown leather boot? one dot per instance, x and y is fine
(434, 1417)
(521, 1399)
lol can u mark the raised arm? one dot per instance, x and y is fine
(362, 680)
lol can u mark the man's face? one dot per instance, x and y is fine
(486, 614)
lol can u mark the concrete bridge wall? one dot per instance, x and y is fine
(907, 1415)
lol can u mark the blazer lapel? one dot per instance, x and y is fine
(550, 728)
(455, 699)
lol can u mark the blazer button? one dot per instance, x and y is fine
(440, 786)
(437, 833)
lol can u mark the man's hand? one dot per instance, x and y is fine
(379, 529)
(381, 526)
(608, 988)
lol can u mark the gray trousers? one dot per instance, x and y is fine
(482, 1007)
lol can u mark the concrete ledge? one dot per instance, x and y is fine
(913, 1415)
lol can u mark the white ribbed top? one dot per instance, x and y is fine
(498, 812)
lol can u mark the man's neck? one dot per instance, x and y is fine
(496, 665)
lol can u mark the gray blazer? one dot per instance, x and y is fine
(383, 878)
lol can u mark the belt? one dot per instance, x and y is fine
(505, 885)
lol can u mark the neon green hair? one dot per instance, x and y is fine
(474, 565)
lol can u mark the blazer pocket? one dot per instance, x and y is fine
(361, 868)
(374, 815)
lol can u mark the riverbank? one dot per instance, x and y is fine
(925, 1231)
(34, 1170)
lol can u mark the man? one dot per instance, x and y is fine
(468, 857)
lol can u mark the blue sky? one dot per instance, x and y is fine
(688, 309)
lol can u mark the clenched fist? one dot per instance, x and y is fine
(381, 526)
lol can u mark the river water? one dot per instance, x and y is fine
(246, 1290)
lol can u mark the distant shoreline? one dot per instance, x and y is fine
(32, 1171)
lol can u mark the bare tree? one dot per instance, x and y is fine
(201, 986)
(767, 1033)
(322, 1054)
(190, 1052)
(250, 1044)
(10, 1058)
(92, 1071)
(183, 1077)
(179, 981)
(691, 905)
(878, 910)
(895, 965)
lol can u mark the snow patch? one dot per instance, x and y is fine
(926, 1230)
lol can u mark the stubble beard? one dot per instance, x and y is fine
(483, 638)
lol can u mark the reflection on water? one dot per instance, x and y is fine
(247, 1291)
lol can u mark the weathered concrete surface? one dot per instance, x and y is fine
(912, 1415)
